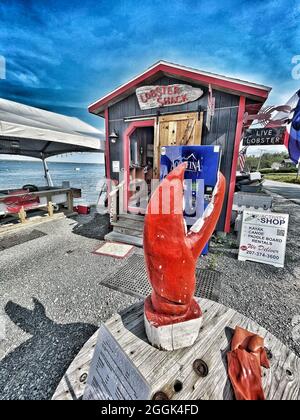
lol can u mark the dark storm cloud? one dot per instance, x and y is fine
(62, 55)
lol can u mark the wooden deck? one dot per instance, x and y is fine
(165, 370)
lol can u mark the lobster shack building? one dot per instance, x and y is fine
(170, 104)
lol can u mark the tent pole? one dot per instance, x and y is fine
(47, 173)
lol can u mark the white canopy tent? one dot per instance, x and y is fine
(29, 131)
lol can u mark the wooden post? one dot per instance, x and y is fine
(70, 201)
(22, 215)
(121, 197)
(114, 205)
(50, 209)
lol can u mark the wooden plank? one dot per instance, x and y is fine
(162, 369)
(188, 133)
(172, 135)
(164, 134)
(178, 117)
(131, 216)
(126, 231)
(126, 239)
(129, 224)
(45, 193)
(32, 221)
(198, 131)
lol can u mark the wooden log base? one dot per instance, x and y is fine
(174, 336)
(197, 372)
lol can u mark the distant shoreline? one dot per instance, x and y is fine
(50, 162)
(87, 176)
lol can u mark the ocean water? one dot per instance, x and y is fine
(87, 176)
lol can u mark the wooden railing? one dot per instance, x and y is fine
(116, 201)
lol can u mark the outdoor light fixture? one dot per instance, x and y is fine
(113, 136)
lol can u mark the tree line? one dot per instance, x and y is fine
(266, 160)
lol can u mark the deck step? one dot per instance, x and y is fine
(128, 231)
(131, 216)
(126, 239)
(126, 224)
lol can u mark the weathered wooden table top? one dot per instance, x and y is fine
(163, 369)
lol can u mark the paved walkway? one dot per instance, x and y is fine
(289, 191)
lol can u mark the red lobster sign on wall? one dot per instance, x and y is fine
(270, 116)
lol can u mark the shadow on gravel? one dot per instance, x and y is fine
(35, 368)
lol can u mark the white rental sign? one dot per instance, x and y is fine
(116, 166)
(263, 237)
(112, 375)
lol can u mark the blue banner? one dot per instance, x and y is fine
(294, 140)
(200, 177)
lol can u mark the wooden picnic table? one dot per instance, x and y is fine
(163, 370)
(47, 197)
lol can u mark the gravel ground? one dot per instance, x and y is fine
(52, 300)
(268, 295)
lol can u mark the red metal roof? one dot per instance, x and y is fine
(219, 82)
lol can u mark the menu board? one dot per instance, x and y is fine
(112, 375)
(263, 237)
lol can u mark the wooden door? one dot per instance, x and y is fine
(177, 130)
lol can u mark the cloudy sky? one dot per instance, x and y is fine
(63, 55)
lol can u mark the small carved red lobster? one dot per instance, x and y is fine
(171, 252)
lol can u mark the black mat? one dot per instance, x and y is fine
(132, 280)
(9, 241)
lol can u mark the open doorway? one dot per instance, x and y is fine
(143, 142)
(141, 160)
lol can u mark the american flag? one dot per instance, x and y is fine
(242, 158)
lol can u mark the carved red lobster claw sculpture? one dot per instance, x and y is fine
(245, 360)
(171, 252)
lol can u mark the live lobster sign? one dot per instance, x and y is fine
(264, 136)
(160, 96)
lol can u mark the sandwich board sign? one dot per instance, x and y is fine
(112, 374)
(263, 237)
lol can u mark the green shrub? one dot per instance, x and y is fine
(289, 178)
(280, 171)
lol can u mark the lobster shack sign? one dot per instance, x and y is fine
(159, 96)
